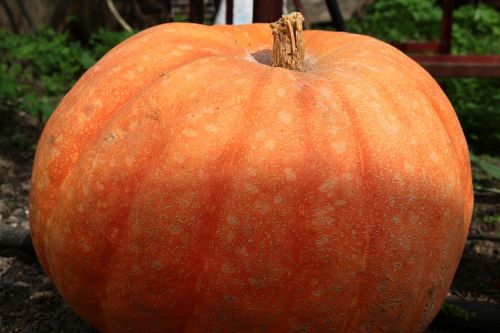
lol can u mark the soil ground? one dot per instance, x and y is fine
(30, 303)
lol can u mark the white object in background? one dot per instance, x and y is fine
(242, 12)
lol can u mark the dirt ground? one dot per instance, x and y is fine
(30, 303)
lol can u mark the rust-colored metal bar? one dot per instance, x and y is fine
(444, 65)
(229, 11)
(418, 47)
(267, 10)
(196, 11)
(446, 27)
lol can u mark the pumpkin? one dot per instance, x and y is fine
(188, 184)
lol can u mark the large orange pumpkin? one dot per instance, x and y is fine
(184, 185)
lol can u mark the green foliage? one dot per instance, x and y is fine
(489, 165)
(455, 311)
(399, 20)
(37, 71)
(477, 101)
(101, 42)
(476, 30)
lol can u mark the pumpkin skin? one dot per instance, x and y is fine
(183, 186)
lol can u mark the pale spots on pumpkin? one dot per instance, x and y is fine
(185, 47)
(321, 106)
(339, 147)
(411, 196)
(212, 51)
(113, 235)
(190, 133)
(236, 72)
(322, 241)
(281, 92)
(133, 125)
(389, 122)
(82, 117)
(285, 117)
(175, 229)
(250, 187)
(116, 69)
(397, 177)
(340, 202)
(146, 57)
(415, 105)
(80, 208)
(189, 76)
(433, 156)
(130, 75)
(395, 219)
(277, 199)
(140, 69)
(269, 144)
(54, 152)
(177, 53)
(43, 181)
(261, 207)
(194, 117)
(241, 82)
(410, 168)
(242, 251)
(70, 194)
(178, 158)
(102, 204)
(260, 134)
(100, 186)
(227, 268)
(346, 176)
(113, 163)
(208, 110)
(231, 219)
(74, 156)
(328, 184)
(86, 247)
(252, 171)
(321, 218)
(129, 161)
(165, 82)
(291, 175)
(325, 93)
(193, 94)
(212, 128)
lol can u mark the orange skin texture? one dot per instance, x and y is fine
(182, 186)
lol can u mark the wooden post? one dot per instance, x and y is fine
(265, 11)
(229, 11)
(446, 23)
(337, 19)
(196, 11)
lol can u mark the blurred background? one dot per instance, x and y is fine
(46, 45)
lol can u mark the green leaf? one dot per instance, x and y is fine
(87, 60)
(491, 169)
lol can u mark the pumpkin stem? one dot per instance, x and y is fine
(288, 45)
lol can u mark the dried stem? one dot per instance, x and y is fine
(288, 45)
